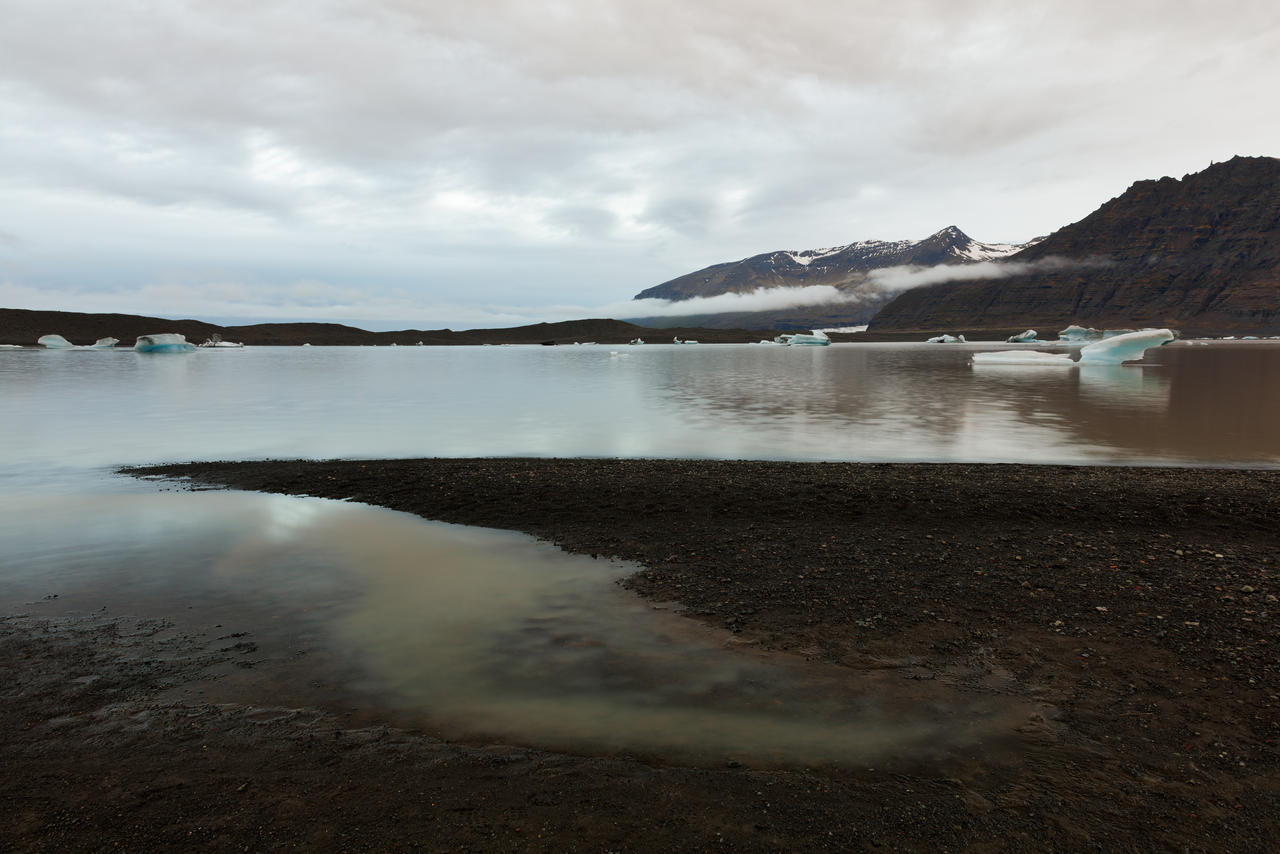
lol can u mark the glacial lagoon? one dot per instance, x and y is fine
(483, 633)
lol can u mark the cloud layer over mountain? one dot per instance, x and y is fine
(464, 154)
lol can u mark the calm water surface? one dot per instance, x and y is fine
(1188, 404)
(490, 633)
(467, 631)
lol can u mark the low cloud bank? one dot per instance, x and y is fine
(320, 301)
(890, 280)
(761, 299)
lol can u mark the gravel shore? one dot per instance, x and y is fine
(1132, 608)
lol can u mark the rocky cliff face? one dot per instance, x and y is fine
(1201, 254)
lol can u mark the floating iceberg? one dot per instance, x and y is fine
(163, 342)
(54, 342)
(215, 340)
(1076, 334)
(105, 343)
(1073, 334)
(1024, 357)
(1127, 347)
(817, 339)
(1025, 337)
(946, 339)
(11, 347)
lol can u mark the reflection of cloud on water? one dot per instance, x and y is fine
(495, 634)
(928, 403)
(473, 632)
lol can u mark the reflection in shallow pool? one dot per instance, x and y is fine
(471, 632)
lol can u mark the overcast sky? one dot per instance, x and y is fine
(466, 163)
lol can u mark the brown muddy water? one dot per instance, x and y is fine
(466, 633)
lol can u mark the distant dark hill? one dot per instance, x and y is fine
(21, 326)
(1200, 254)
(842, 267)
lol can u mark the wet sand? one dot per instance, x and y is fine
(1129, 612)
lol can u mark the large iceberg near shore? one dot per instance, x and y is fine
(163, 342)
(1128, 347)
(54, 342)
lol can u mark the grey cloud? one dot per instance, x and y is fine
(662, 135)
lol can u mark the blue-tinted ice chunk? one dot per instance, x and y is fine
(1128, 347)
(54, 342)
(163, 342)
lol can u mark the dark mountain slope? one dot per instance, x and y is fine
(1201, 254)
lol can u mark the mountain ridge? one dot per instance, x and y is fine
(846, 268)
(1200, 254)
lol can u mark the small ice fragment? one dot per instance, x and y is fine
(105, 343)
(1128, 347)
(54, 342)
(163, 342)
(817, 339)
(1024, 357)
(945, 339)
(1075, 333)
(1029, 335)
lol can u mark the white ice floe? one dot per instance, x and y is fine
(1023, 338)
(1024, 357)
(163, 342)
(11, 347)
(215, 341)
(54, 342)
(105, 343)
(946, 339)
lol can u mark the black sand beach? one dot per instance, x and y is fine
(1130, 612)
